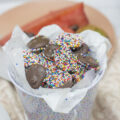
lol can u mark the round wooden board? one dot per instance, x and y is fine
(32, 10)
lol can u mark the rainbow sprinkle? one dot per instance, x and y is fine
(57, 78)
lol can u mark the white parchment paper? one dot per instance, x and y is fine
(56, 98)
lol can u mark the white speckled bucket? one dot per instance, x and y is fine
(37, 109)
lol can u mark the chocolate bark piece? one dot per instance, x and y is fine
(35, 75)
(83, 49)
(49, 51)
(39, 42)
(29, 34)
(92, 62)
(88, 60)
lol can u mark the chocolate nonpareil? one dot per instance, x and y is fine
(58, 64)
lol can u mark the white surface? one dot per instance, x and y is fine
(3, 114)
(111, 8)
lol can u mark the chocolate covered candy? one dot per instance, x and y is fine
(49, 51)
(58, 64)
(38, 42)
(83, 49)
(35, 75)
(88, 60)
(82, 55)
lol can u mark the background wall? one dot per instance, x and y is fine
(111, 8)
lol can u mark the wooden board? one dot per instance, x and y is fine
(30, 11)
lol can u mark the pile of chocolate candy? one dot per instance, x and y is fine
(57, 64)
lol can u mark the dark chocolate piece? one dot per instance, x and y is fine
(88, 60)
(74, 27)
(49, 51)
(38, 42)
(81, 53)
(29, 34)
(84, 49)
(92, 62)
(35, 75)
(81, 50)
